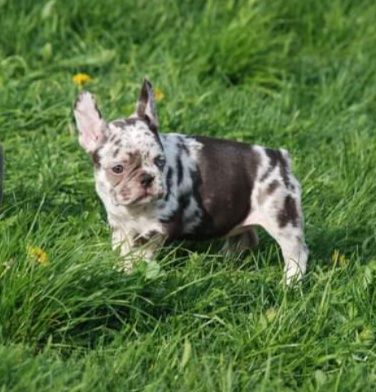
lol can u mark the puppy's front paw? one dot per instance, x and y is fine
(293, 274)
(124, 266)
(133, 257)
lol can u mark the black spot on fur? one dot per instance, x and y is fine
(182, 147)
(146, 98)
(131, 121)
(273, 156)
(124, 122)
(174, 225)
(150, 124)
(184, 200)
(206, 220)
(289, 213)
(116, 153)
(276, 158)
(179, 169)
(285, 172)
(169, 175)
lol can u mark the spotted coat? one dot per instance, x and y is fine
(197, 187)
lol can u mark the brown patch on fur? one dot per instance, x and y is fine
(222, 195)
(289, 213)
(95, 158)
(272, 187)
(127, 185)
(262, 195)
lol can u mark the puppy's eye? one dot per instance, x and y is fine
(118, 169)
(160, 161)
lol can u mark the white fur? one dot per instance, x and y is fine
(89, 123)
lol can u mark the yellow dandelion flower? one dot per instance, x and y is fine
(338, 258)
(367, 335)
(335, 255)
(271, 314)
(81, 78)
(159, 95)
(37, 254)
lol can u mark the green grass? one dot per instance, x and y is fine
(287, 73)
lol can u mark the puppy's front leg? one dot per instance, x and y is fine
(134, 248)
(124, 243)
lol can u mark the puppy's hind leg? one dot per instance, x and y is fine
(285, 225)
(295, 254)
(278, 210)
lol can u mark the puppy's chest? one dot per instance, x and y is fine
(180, 211)
(140, 225)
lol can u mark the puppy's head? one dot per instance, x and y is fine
(127, 154)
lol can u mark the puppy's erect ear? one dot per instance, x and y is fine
(146, 106)
(91, 126)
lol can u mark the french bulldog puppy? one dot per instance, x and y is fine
(162, 187)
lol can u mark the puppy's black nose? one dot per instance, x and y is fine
(146, 180)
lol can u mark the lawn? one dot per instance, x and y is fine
(287, 73)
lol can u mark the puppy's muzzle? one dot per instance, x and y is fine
(146, 180)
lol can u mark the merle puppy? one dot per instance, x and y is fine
(161, 187)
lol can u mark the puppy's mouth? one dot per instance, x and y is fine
(145, 196)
